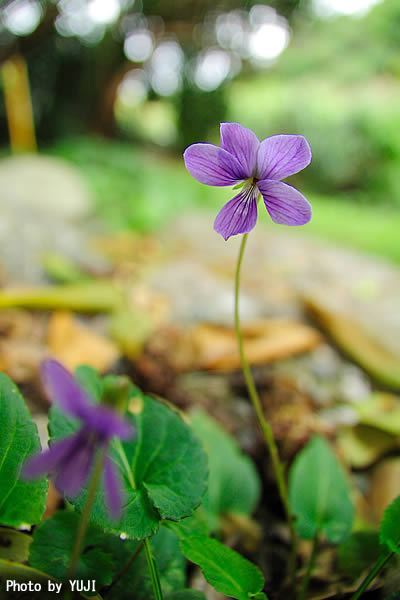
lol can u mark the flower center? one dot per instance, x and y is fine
(250, 182)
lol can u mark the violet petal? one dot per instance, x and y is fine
(213, 165)
(282, 155)
(63, 388)
(49, 460)
(239, 215)
(107, 423)
(242, 143)
(74, 471)
(113, 489)
(285, 204)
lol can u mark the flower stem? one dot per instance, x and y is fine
(84, 520)
(310, 567)
(125, 463)
(376, 569)
(265, 426)
(153, 570)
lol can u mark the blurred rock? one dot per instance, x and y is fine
(46, 206)
(44, 185)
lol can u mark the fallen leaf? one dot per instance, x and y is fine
(75, 344)
(265, 340)
(363, 445)
(381, 410)
(384, 486)
(22, 344)
(370, 354)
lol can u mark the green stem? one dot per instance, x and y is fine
(125, 463)
(84, 520)
(265, 426)
(379, 565)
(310, 567)
(153, 570)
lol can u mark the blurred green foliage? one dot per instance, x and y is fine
(338, 84)
(133, 188)
(199, 113)
(142, 190)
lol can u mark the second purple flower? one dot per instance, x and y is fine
(71, 459)
(242, 159)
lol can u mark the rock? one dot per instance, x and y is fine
(44, 185)
(43, 201)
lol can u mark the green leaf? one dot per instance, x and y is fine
(14, 545)
(227, 571)
(22, 574)
(164, 467)
(389, 534)
(186, 595)
(52, 545)
(234, 484)
(195, 525)
(136, 582)
(358, 553)
(104, 556)
(319, 494)
(21, 502)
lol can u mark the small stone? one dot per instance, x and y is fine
(44, 185)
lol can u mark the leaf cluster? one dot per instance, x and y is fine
(164, 469)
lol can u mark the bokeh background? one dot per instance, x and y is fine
(121, 87)
(98, 100)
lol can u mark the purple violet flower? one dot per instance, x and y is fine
(242, 160)
(72, 458)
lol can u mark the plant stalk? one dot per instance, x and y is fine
(379, 565)
(84, 520)
(310, 566)
(153, 570)
(265, 426)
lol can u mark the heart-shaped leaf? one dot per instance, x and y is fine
(21, 502)
(52, 545)
(163, 468)
(233, 485)
(135, 582)
(319, 494)
(106, 557)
